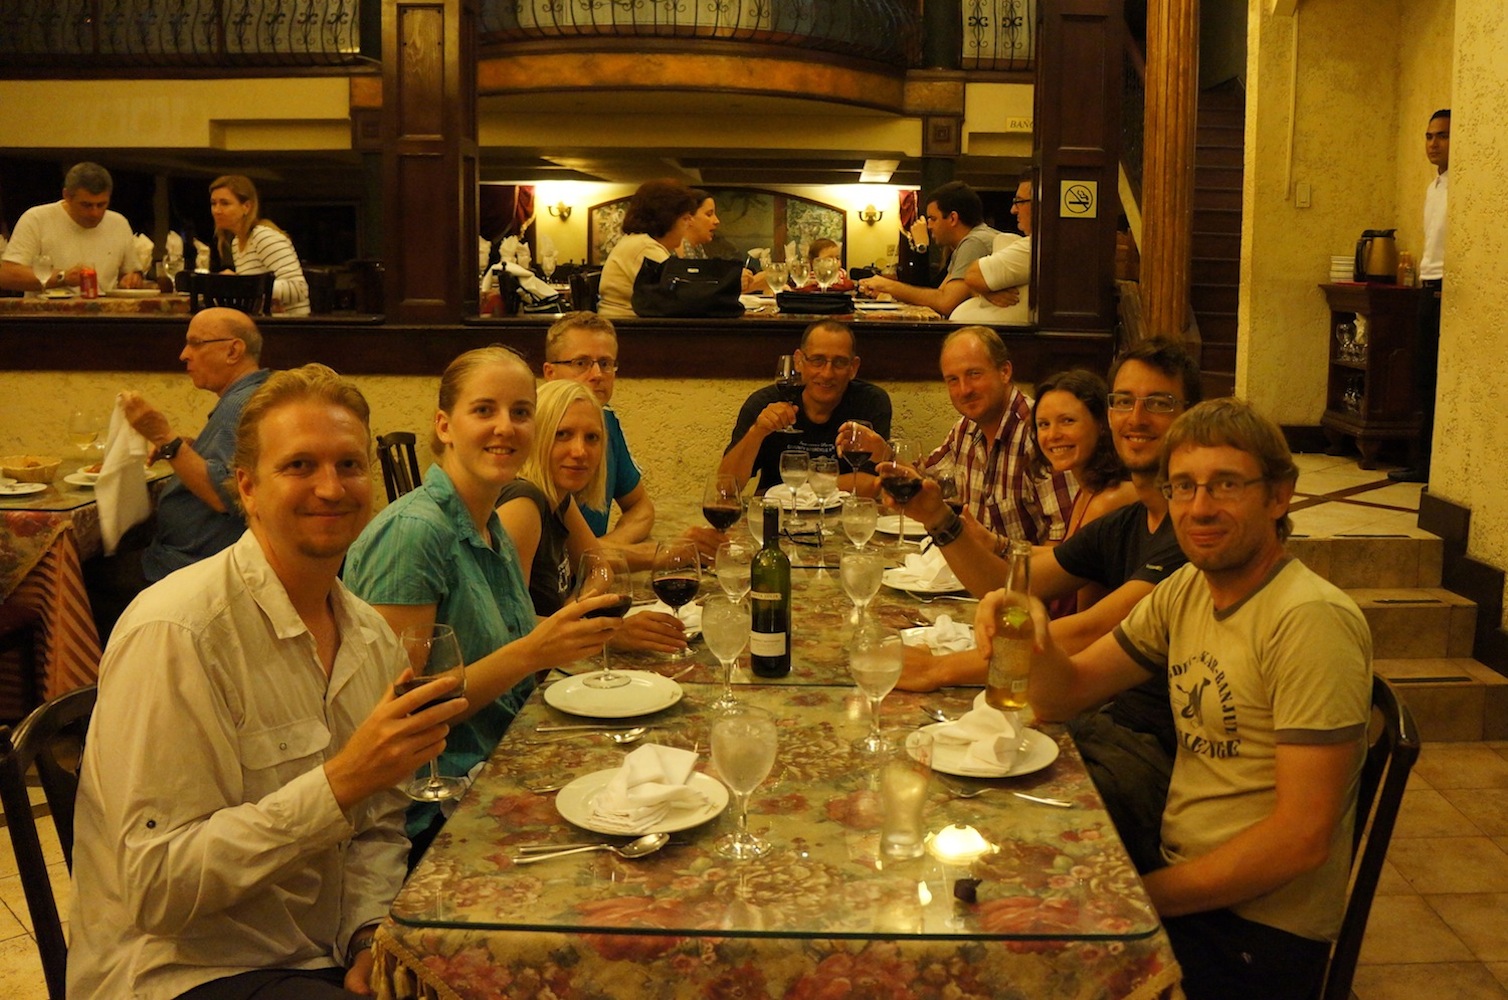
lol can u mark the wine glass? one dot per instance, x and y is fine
(824, 483)
(432, 651)
(733, 569)
(875, 663)
(725, 626)
(799, 272)
(83, 430)
(547, 265)
(775, 274)
(945, 474)
(826, 271)
(676, 576)
(743, 751)
(605, 572)
(795, 469)
(852, 445)
(861, 571)
(788, 383)
(860, 515)
(722, 501)
(901, 481)
(41, 266)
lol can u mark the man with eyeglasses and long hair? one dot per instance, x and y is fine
(1269, 671)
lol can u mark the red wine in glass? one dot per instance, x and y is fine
(903, 488)
(721, 516)
(676, 591)
(402, 688)
(617, 609)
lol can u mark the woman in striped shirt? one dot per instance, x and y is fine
(253, 245)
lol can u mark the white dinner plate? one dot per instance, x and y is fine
(574, 803)
(644, 693)
(6, 480)
(14, 489)
(782, 493)
(874, 305)
(899, 579)
(890, 524)
(133, 293)
(83, 479)
(952, 758)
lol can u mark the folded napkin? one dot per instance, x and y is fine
(690, 614)
(988, 732)
(142, 244)
(928, 569)
(172, 245)
(805, 496)
(651, 783)
(121, 489)
(945, 636)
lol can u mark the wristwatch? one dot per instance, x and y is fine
(947, 533)
(169, 451)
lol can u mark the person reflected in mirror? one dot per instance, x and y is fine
(78, 232)
(955, 220)
(250, 244)
(699, 238)
(1000, 282)
(654, 223)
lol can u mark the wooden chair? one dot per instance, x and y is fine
(52, 738)
(400, 463)
(584, 288)
(1392, 749)
(250, 293)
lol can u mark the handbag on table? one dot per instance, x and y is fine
(683, 288)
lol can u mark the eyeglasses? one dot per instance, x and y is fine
(820, 361)
(1221, 489)
(1020, 201)
(584, 365)
(1158, 402)
(191, 342)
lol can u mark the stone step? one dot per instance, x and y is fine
(1372, 560)
(1410, 623)
(1454, 699)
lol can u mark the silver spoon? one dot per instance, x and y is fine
(645, 845)
(623, 738)
(933, 712)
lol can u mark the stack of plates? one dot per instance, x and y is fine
(1342, 268)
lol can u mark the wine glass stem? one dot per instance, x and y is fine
(728, 680)
(434, 775)
(743, 815)
(874, 717)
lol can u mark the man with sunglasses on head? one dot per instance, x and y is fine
(583, 346)
(830, 397)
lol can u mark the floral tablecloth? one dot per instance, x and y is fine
(173, 303)
(1060, 911)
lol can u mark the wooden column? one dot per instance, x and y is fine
(429, 159)
(1077, 133)
(1168, 165)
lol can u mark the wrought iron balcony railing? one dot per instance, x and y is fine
(999, 34)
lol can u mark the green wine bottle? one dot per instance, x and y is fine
(770, 592)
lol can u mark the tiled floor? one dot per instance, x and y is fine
(1439, 925)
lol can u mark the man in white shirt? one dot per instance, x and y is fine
(238, 831)
(78, 232)
(1000, 282)
(1432, 278)
(955, 219)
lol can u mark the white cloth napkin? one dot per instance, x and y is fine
(121, 489)
(690, 615)
(651, 782)
(929, 569)
(991, 739)
(528, 281)
(945, 636)
(142, 243)
(172, 245)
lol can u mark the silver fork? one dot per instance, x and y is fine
(973, 792)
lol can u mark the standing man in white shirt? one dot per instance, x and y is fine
(79, 231)
(238, 831)
(1432, 278)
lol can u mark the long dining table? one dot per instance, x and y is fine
(1054, 907)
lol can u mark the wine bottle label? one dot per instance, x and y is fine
(767, 643)
(766, 595)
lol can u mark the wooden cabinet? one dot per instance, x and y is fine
(1370, 393)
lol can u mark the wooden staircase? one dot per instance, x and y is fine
(1215, 267)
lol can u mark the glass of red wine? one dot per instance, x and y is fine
(676, 576)
(788, 384)
(723, 502)
(605, 572)
(433, 651)
(853, 444)
(945, 474)
(901, 480)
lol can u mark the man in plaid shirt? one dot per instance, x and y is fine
(992, 445)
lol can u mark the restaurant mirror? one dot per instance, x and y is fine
(750, 219)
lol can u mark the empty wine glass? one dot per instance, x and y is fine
(860, 515)
(732, 565)
(722, 501)
(824, 483)
(875, 658)
(743, 751)
(826, 271)
(775, 274)
(547, 265)
(605, 572)
(901, 480)
(433, 651)
(41, 266)
(789, 384)
(799, 272)
(676, 576)
(795, 469)
(725, 626)
(861, 571)
(852, 443)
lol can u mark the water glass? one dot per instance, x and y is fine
(861, 572)
(860, 515)
(732, 567)
(903, 798)
(875, 659)
(725, 626)
(743, 751)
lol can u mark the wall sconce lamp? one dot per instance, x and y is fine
(560, 210)
(871, 215)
